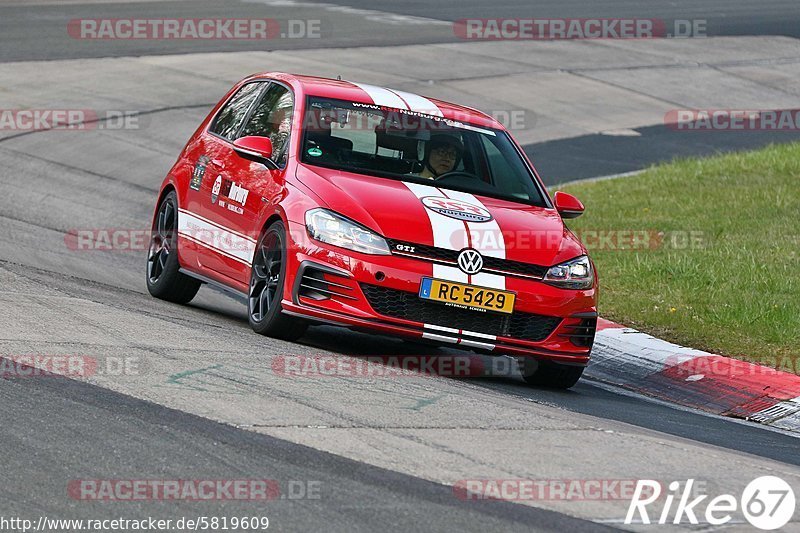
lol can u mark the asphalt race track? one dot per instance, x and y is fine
(200, 399)
(36, 27)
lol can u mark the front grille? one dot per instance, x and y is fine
(400, 304)
(432, 253)
(532, 327)
(514, 267)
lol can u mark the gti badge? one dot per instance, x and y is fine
(470, 261)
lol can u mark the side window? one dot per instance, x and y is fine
(230, 118)
(507, 169)
(272, 118)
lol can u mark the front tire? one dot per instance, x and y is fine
(267, 280)
(550, 375)
(164, 280)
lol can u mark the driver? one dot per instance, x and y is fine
(443, 152)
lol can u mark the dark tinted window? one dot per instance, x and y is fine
(230, 118)
(272, 118)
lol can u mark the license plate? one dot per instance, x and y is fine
(469, 296)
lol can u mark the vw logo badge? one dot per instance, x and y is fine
(470, 261)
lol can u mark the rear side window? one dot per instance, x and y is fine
(230, 118)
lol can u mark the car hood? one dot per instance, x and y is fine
(427, 215)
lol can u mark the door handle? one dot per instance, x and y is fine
(219, 164)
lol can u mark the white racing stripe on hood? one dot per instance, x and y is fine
(381, 96)
(418, 103)
(487, 238)
(446, 230)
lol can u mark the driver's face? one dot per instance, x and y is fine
(443, 159)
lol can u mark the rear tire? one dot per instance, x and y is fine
(164, 280)
(267, 280)
(550, 375)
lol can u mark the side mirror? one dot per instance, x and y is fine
(255, 148)
(567, 205)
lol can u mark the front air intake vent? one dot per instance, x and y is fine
(314, 285)
(581, 334)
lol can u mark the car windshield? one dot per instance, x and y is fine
(410, 146)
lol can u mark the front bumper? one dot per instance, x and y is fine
(379, 294)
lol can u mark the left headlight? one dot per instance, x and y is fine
(574, 274)
(334, 229)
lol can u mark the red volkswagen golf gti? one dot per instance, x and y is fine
(328, 201)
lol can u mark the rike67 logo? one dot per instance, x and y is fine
(767, 503)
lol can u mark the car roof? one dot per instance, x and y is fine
(383, 96)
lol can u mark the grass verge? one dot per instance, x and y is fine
(703, 252)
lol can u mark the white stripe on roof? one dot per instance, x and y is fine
(381, 96)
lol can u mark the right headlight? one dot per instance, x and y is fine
(574, 274)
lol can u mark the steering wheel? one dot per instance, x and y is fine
(453, 173)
